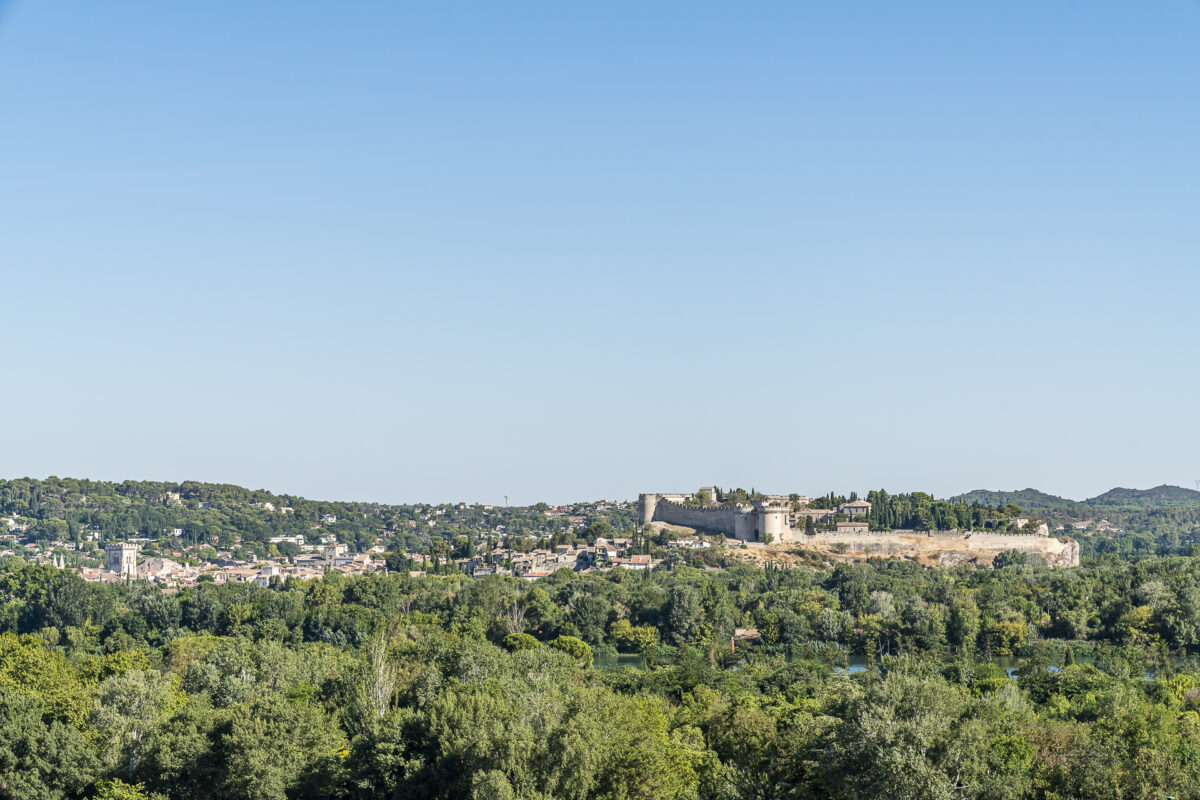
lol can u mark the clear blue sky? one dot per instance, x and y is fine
(448, 251)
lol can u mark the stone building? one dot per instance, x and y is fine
(122, 559)
(855, 508)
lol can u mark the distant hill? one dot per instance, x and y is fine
(1132, 509)
(1025, 499)
(195, 513)
(1158, 496)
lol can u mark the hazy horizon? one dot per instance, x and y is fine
(843, 491)
(445, 253)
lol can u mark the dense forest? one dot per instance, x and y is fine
(448, 687)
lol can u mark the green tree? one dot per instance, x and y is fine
(179, 758)
(911, 736)
(273, 749)
(521, 641)
(684, 615)
(1005, 637)
(119, 790)
(27, 668)
(378, 677)
(129, 707)
(644, 760)
(633, 638)
(40, 759)
(963, 626)
(589, 613)
(575, 648)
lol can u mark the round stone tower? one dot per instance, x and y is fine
(647, 503)
(772, 522)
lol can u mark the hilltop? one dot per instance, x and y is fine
(1131, 509)
(1034, 499)
(1026, 499)
(1158, 496)
(193, 513)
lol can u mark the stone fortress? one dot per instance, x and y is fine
(778, 519)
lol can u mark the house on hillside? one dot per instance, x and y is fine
(855, 508)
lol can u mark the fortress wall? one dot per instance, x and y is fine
(1057, 553)
(792, 535)
(1013, 541)
(988, 536)
(951, 534)
(729, 521)
(648, 504)
(886, 544)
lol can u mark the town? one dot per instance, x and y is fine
(578, 537)
(173, 571)
(178, 536)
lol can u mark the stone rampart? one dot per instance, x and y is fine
(950, 534)
(648, 505)
(736, 522)
(986, 546)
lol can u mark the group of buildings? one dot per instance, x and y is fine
(173, 571)
(166, 562)
(125, 562)
(538, 563)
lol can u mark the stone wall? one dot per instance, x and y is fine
(1058, 553)
(735, 522)
(648, 505)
